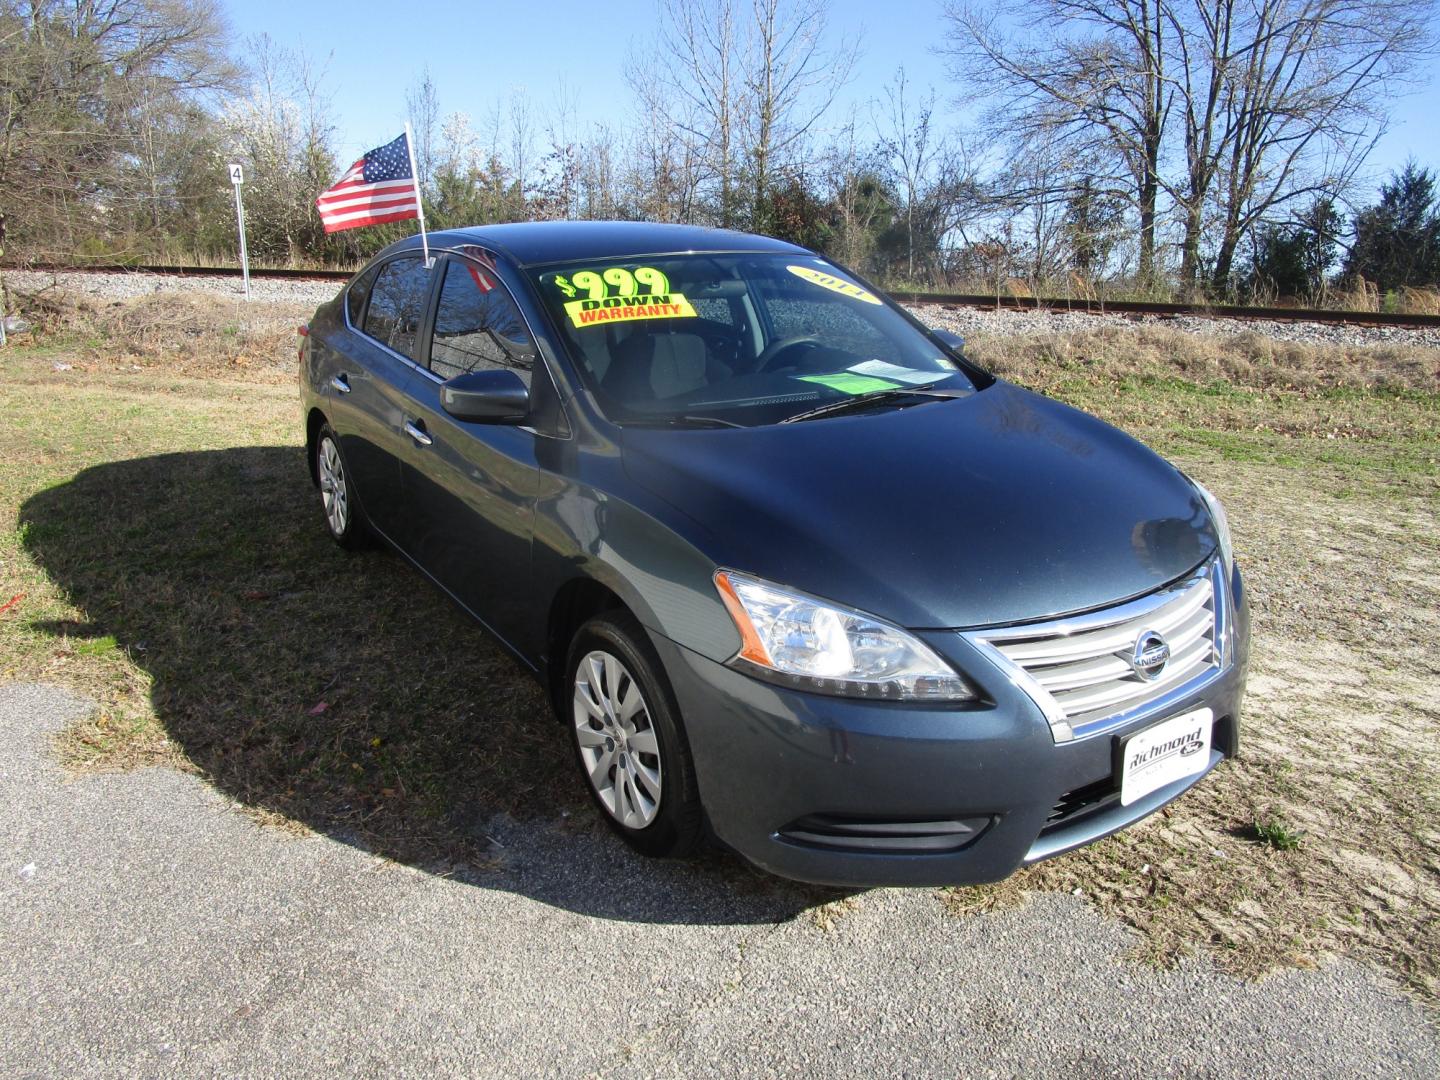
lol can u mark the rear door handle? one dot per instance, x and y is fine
(418, 433)
(340, 382)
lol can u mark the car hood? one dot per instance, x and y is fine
(999, 507)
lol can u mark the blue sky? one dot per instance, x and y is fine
(479, 52)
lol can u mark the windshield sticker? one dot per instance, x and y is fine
(614, 281)
(629, 308)
(834, 284)
(882, 370)
(847, 383)
(619, 294)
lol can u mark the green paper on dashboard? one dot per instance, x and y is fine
(851, 384)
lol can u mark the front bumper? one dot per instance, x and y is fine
(860, 793)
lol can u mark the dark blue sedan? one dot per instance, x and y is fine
(794, 572)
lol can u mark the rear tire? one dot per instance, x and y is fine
(343, 519)
(628, 737)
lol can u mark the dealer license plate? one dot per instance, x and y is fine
(1163, 753)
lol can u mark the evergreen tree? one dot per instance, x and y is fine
(1293, 259)
(1397, 242)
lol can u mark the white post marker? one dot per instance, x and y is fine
(237, 177)
(2, 284)
(419, 205)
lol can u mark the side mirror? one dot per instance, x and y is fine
(491, 396)
(950, 338)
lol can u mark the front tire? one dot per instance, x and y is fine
(337, 492)
(628, 738)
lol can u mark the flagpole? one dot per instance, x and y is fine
(419, 203)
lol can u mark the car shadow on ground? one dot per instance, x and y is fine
(344, 692)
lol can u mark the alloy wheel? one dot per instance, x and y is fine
(617, 740)
(333, 491)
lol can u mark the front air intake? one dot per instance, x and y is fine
(884, 837)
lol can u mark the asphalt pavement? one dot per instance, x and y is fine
(150, 927)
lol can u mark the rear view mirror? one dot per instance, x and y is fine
(724, 290)
(950, 338)
(492, 396)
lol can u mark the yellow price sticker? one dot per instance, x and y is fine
(614, 280)
(835, 284)
(595, 312)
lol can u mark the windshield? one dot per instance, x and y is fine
(718, 340)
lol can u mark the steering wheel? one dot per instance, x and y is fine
(767, 357)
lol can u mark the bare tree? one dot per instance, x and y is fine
(663, 177)
(1090, 75)
(521, 140)
(853, 184)
(599, 179)
(911, 145)
(562, 160)
(750, 81)
(1031, 199)
(1274, 101)
(89, 95)
(422, 105)
(1282, 100)
(280, 129)
(701, 52)
(792, 77)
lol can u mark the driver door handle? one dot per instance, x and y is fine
(418, 433)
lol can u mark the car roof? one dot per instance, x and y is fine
(535, 243)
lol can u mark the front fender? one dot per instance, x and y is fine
(635, 548)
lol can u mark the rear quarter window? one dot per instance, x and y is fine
(358, 293)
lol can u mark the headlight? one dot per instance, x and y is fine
(1221, 522)
(795, 639)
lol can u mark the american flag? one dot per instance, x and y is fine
(379, 187)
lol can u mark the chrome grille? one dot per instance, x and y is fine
(1083, 670)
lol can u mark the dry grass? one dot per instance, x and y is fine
(194, 334)
(1424, 301)
(1108, 354)
(197, 334)
(1004, 895)
(826, 916)
(1357, 294)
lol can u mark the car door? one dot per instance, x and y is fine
(470, 487)
(370, 379)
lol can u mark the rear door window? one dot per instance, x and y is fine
(478, 325)
(397, 305)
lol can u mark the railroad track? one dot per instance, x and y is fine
(182, 271)
(958, 300)
(1172, 311)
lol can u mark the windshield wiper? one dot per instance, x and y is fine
(684, 421)
(875, 397)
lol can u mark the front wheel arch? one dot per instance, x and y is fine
(575, 603)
